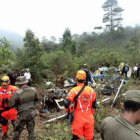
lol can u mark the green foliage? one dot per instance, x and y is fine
(67, 42)
(81, 48)
(4, 43)
(55, 131)
(60, 63)
(47, 60)
(100, 113)
(49, 45)
(105, 57)
(30, 55)
(6, 55)
(58, 131)
(133, 50)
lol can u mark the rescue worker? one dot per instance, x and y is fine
(24, 100)
(83, 123)
(12, 77)
(6, 91)
(88, 74)
(21, 72)
(125, 70)
(123, 127)
(121, 66)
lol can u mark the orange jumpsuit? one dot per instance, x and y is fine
(5, 112)
(83, 123)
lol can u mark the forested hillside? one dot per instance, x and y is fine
(49, 66)
(48, 59)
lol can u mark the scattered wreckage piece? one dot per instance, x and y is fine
(122, 82)
(53, 100)
(54, 97)
(112, 84)
(69, 83)
(99, 102)
(64, 115)
(53, 119)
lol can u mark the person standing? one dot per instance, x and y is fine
(84, 106)
(24, 100)
(88, 74)
(12, 77)
(125, 69)
(138, 71)
(123, 127)
(135, 69)
(6, 113)
(28, 76)
(21, 72)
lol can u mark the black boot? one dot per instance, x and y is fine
(5, 136)
(75, 138)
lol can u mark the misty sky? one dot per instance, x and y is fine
(51, 17)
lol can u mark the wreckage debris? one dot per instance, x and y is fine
(52, 100)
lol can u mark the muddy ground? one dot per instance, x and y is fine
(59, 130)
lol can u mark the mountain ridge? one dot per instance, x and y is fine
(14, 38)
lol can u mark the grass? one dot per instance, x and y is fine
(55, 131)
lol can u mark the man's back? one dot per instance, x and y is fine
(83, 122)
(119, 129)
(26, 98)
(84, 101)
(125, 68)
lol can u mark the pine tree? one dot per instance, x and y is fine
(112, 16)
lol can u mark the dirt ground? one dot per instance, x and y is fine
(59, 130)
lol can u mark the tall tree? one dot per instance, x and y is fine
(112, 17)
(33, 53)
(67, 42)
(49, 45)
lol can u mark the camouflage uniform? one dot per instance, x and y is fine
(118, 128)
(24, 101)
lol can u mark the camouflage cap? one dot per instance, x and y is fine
(21, 80)
(132, 95)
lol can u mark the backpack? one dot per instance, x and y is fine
(126, 68)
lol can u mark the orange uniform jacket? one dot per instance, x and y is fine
(11, 113)
(6, 94)
(83, 124)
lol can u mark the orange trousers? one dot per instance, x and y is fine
(83, 125)
(4, 128)
(10, 114)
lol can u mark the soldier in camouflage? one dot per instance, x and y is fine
(124, 127)
(24, 100)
